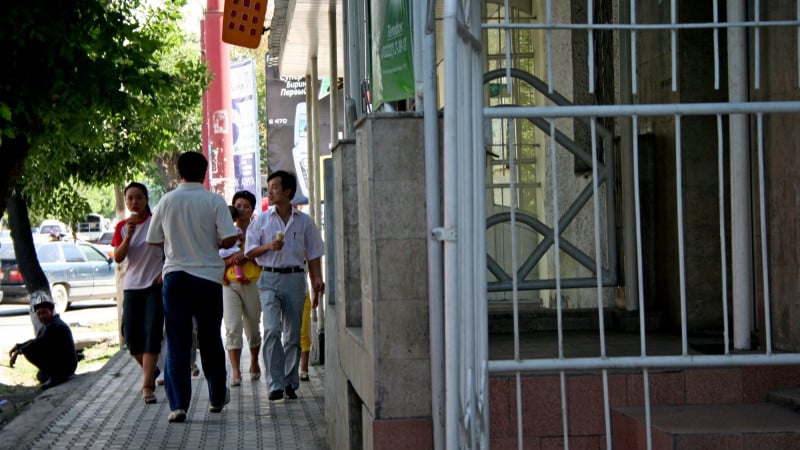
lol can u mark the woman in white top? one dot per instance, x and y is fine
(142, 311)
(241, 307)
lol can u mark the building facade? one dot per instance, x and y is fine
(547, 220)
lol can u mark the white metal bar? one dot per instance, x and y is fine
(722, 234)
(508, 30)
(564, 410)
(647, 414)
(639, 270)
(673, 33)
(514, 241)
(648, 26)
(716, 45)
(659, 109)
(590, 43)
(757, 45)
(598, 256)
(557, 240)
(466, 311)
(433, 220)
(639, 258)
(607, 409)
(638, 362)
(451, 284)
(681, 255)
(634, 57)
(518, 379)
(763, 216)
(740, 182)
(549, 15)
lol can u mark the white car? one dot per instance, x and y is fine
(53, 227)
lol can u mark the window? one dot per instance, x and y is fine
(72, 253)
(48, 253)
(92, 254)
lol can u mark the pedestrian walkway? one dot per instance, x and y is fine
(104, 410)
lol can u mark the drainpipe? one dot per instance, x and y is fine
(334, 77)
(425, 74)
(741, 226)
(314, 163)
(450, 222)
(311, 125)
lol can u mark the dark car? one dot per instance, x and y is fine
(76, 271)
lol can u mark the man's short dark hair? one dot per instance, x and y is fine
(288, 181)
(43, 304)
(192, 166)
(247, 195)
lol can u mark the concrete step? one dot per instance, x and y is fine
(741, 426)
(789, 398)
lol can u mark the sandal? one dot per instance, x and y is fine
(149, 397)
(304, 376)
(255, 376)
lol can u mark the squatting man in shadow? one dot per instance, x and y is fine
(53, 349)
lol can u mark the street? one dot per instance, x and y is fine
(15, 323)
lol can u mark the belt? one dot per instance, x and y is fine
(295, 269)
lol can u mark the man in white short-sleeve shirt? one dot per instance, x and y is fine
(192, 224)
(281, 240)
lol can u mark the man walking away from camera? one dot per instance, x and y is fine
(192, 224)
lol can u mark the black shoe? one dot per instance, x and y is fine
(218, 408)
(276, 395)
(290, 393)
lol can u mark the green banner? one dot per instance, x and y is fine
(393, 71)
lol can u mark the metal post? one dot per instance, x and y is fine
(739, 136)
(425, 47)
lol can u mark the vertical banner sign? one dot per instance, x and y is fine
(245, 127)
(287, 127)
(393, 72)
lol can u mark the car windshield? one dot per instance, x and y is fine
(47, 229)
(46, 252)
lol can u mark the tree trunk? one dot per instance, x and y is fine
(13, 153)
(168, 167)
(28, 263)
(119, 201)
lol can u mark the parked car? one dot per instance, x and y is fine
(75, 270)
(105, 238)
(53, 228)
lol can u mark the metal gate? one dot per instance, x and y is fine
(465, 147)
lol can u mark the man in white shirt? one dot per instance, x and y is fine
(281, 240)
(193, 224)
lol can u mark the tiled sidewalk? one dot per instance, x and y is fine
(105, 410)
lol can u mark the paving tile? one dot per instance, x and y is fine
(106, 411)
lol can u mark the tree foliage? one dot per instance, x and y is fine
(91, 93)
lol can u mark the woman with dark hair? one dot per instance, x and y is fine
(241, 307)
(142, 310)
